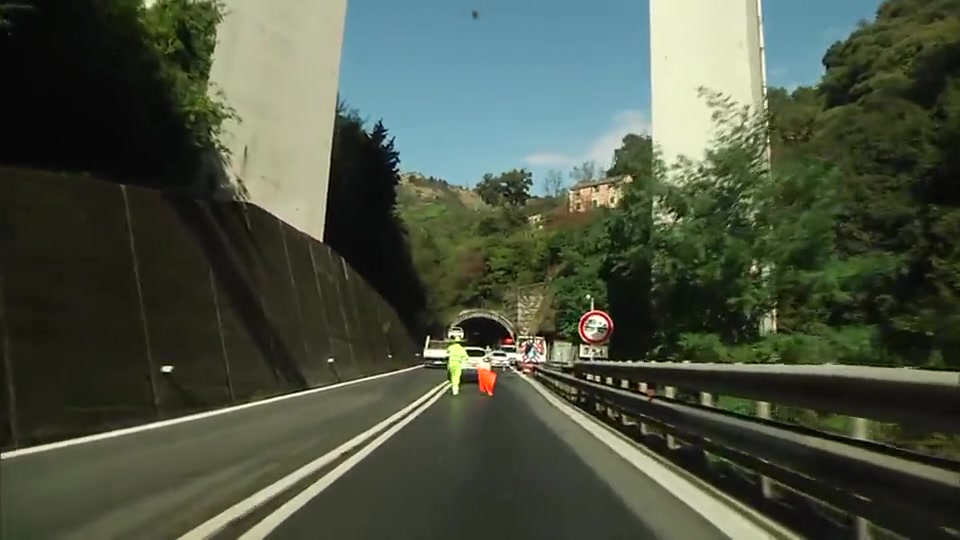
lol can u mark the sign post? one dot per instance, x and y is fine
(595, 329)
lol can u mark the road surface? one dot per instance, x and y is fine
(468, 467)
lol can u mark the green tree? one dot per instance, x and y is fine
(126, 87)
(364, 175)
(634, 157)
(587, 171)
(577, 256)
(510, 188)
(628, 268)
(889, 120)
(553, 183)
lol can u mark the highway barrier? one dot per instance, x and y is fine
(880, 486)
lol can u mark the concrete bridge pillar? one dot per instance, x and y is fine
(717, 44)
(278, 64)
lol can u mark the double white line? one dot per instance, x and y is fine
(260, 531)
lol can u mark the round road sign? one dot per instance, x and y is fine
(595, 327)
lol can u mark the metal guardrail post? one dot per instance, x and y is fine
(766, 484)
(671, 393)
(860, 429)
(626, 420)
(644, 430)
(706, 399)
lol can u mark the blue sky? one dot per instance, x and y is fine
(539, 84)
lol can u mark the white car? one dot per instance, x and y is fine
(513, 357)
(498, 359)
(475, 357)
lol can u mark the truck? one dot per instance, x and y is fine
(435, 350)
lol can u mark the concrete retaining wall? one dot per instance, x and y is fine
(101, 285)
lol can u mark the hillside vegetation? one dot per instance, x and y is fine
(852, 239)
(469, 252)
(845, 250)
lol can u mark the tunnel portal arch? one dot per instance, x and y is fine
(485, 314)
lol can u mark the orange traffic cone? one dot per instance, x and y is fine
(487, 379)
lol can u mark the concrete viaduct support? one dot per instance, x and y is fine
(717, 44)
(278, 64)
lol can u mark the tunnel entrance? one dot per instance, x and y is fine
(484, 328)
(483, 332)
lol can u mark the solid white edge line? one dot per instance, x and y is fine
(189, 418)
(726, 515)
(217, 523)
(270, 523)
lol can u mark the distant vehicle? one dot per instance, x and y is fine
(455, 332)
(476, 356)
(435, 353)
(527, 368)
(512, 355)
(498, 359)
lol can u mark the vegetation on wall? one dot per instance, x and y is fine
(120, 91)
(112, 88)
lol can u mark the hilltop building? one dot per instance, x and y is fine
(605, 192)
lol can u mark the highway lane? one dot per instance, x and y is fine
(511, 466)
(157, 484)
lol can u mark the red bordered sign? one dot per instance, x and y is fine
(596, 327)
(533, 350)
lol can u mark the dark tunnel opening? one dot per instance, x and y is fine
(484, 332)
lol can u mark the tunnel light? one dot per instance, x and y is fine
(166, 368)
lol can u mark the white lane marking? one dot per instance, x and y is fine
(270, 523)
(182, 419)
(727, 516)
(244, 507)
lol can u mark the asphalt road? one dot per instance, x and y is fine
(469, 467)
(507, 467)
(157, 484)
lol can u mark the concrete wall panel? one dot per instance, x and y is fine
(103, 284)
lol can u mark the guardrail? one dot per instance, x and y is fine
(900, 491)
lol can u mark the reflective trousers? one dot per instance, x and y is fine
(455, 369)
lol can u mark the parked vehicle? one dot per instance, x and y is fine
(435, 353)
(512, 355)
(475, 356)
(527, 368)
(498, 359)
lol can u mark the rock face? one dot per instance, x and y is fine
(530, 308)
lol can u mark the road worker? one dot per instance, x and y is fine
(456, 356)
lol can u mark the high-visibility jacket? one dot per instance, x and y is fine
(456, 353)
